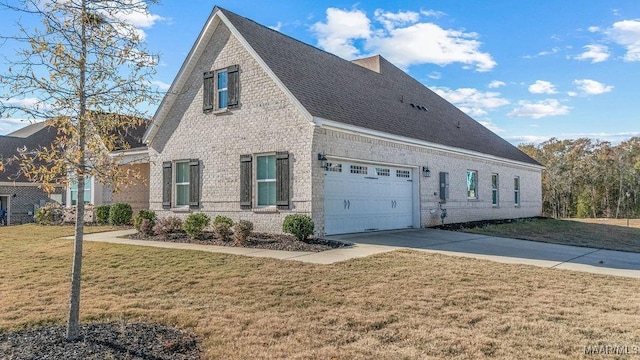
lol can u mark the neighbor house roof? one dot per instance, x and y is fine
(385, 99)
(30, 137)
(39, 134)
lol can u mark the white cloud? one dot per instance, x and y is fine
(542, 87)
(392, 20)
(593, 29)
(496, 84)
(135, 17)
(8, 125)
(435, 75)
(627, 34)
(161, 84)
(472, 101)
(572, 93)
(401, 38)
(592, 87)
(277, 27)
(341, 29)
(595, 53)
(549, 52)
(434, 13)
(491, 126)
(539, 109)
(614, 138)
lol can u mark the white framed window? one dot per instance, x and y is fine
(403, 173)
(182, 183)
(266, 180)
(383, 172)
(494, 190)
(222, 87)
(516, 191)
(357, 169)
(333, 167)
(73, 191)
(472, 184)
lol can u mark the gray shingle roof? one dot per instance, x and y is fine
(335, 89)
(36, 135)
(9, 144)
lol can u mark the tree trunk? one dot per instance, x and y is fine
(73, 323)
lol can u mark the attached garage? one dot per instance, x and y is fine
(367, 197)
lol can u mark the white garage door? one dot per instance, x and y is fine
(365, 197)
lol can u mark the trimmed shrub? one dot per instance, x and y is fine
(142, 215)
(222, 227)
(241, 230)
(50, 213)
(102, 214)
(301, 226)
(120, 214)
(168, 225)
(44, 216)
(146, 227)
(194, 224)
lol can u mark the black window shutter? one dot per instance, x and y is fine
(245, 181)
(208, 91)
(167, 183)
(233, 86)
(194, 183)
(444, 186)
(282, 180)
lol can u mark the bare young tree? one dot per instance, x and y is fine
(85, 70)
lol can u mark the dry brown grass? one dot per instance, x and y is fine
(634, 223)
(609, 234)
(399, 305)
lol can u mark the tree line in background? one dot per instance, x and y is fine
(587, 178)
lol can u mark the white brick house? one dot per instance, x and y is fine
(258, 125)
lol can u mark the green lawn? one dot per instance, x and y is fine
(398, 305)
(602, 234)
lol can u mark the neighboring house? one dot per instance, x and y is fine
(21, 197)
(258, 125)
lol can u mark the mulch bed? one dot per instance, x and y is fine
(101, 341)
(255, 240)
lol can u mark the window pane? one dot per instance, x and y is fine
(74, 196)
(87, 196)
(222, 80)
(182, 172)
(472, 184)
(222, 99)
(516, 184)
(222, 89)
(182, 195)
(266, 193)
(266, 167)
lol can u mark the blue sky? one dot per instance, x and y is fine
(528, 70)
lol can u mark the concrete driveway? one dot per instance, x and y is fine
(505, 250)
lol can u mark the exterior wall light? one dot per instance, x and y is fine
(323, 159)
(425, 171)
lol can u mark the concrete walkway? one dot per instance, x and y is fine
(618, 263)
(324, 257)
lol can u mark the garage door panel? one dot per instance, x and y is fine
(377, 199)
